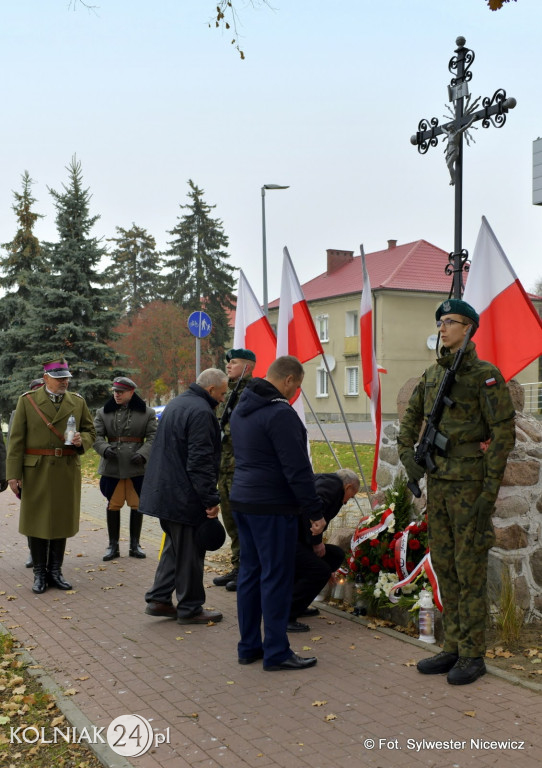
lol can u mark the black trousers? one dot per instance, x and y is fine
(181, 568)
(312, 574)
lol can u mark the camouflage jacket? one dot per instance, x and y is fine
(227, 461)
(482, 412)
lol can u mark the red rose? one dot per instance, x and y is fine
(410, 567)
(353, 564)
(375, 568)
(374, 543)
(391, 544)
(414, 530)
(365, 561)
(423, 526)
(414, 544)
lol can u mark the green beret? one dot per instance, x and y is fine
(457, 307)
(240, 354)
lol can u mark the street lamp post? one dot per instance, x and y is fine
(264, 244)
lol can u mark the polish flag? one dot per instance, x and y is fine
(252, 328)
(296, 333)
(371, 380)
(510, 333)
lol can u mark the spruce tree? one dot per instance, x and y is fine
(135, 269)
(23, 267)
(72, 313)
(199, 276)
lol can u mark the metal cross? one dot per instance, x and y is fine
(493, 112)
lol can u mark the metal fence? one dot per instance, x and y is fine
(533, 397)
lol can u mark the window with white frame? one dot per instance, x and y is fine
(352, 380)
(322, 327)
(322, 382)
(352, 323)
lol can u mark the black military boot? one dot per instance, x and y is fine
(54, 564)
(29, 562)
(39, 549)
(113, 529)
(136, 521)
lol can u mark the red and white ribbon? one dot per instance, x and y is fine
(426, 565)
(361, 535)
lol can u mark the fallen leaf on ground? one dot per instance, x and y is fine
(470, 713)
(330, 717)
(318, 703)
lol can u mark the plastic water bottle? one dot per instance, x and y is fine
(70, 430)
(426, 618)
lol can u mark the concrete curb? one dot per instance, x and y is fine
(496, 671)
(70, 710)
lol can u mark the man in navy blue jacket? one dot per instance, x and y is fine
(180, 488)
(273, 484)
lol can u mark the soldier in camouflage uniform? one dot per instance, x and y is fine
(462, 491)
(240, 364)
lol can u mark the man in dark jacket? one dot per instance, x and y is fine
(273, 484)
(180, 488)
(125, 428)
(314, 560)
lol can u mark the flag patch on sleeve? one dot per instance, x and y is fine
(491, 382)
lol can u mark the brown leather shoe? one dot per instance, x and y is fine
(166, 610)
(201, 618)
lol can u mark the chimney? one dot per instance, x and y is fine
(337, 259)
(392, 244)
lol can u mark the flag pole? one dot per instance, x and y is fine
(367, 491)
(317, 421)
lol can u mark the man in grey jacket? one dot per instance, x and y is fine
(125, 429)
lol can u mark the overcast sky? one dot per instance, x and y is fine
(326, 100)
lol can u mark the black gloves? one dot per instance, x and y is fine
(137, 459)
(482, 510)
(414, 471)
(110, 453)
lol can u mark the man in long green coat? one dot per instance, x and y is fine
(44, 471)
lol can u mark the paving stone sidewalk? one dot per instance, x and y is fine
(364, 704)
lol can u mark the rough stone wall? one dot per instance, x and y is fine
(518, 511)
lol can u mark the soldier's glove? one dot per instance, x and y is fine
(3, 485)
(414, 470)
(109, 453)
(482, 509)
(137, 459)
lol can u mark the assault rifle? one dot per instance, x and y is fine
(230, 405)
(432, 439)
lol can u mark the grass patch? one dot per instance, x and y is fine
(24, 704)
(89, 466)
(323, 461)
(510, 616)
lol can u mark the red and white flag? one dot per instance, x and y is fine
(252, 328)
(371, 380)
(296, 333)
(510, 332)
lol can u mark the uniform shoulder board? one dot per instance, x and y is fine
(76, 394)
(490, 382)
(27, 393)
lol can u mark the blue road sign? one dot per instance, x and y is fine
(200, 324)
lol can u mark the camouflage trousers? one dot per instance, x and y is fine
(459, 557)
(224, 488)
